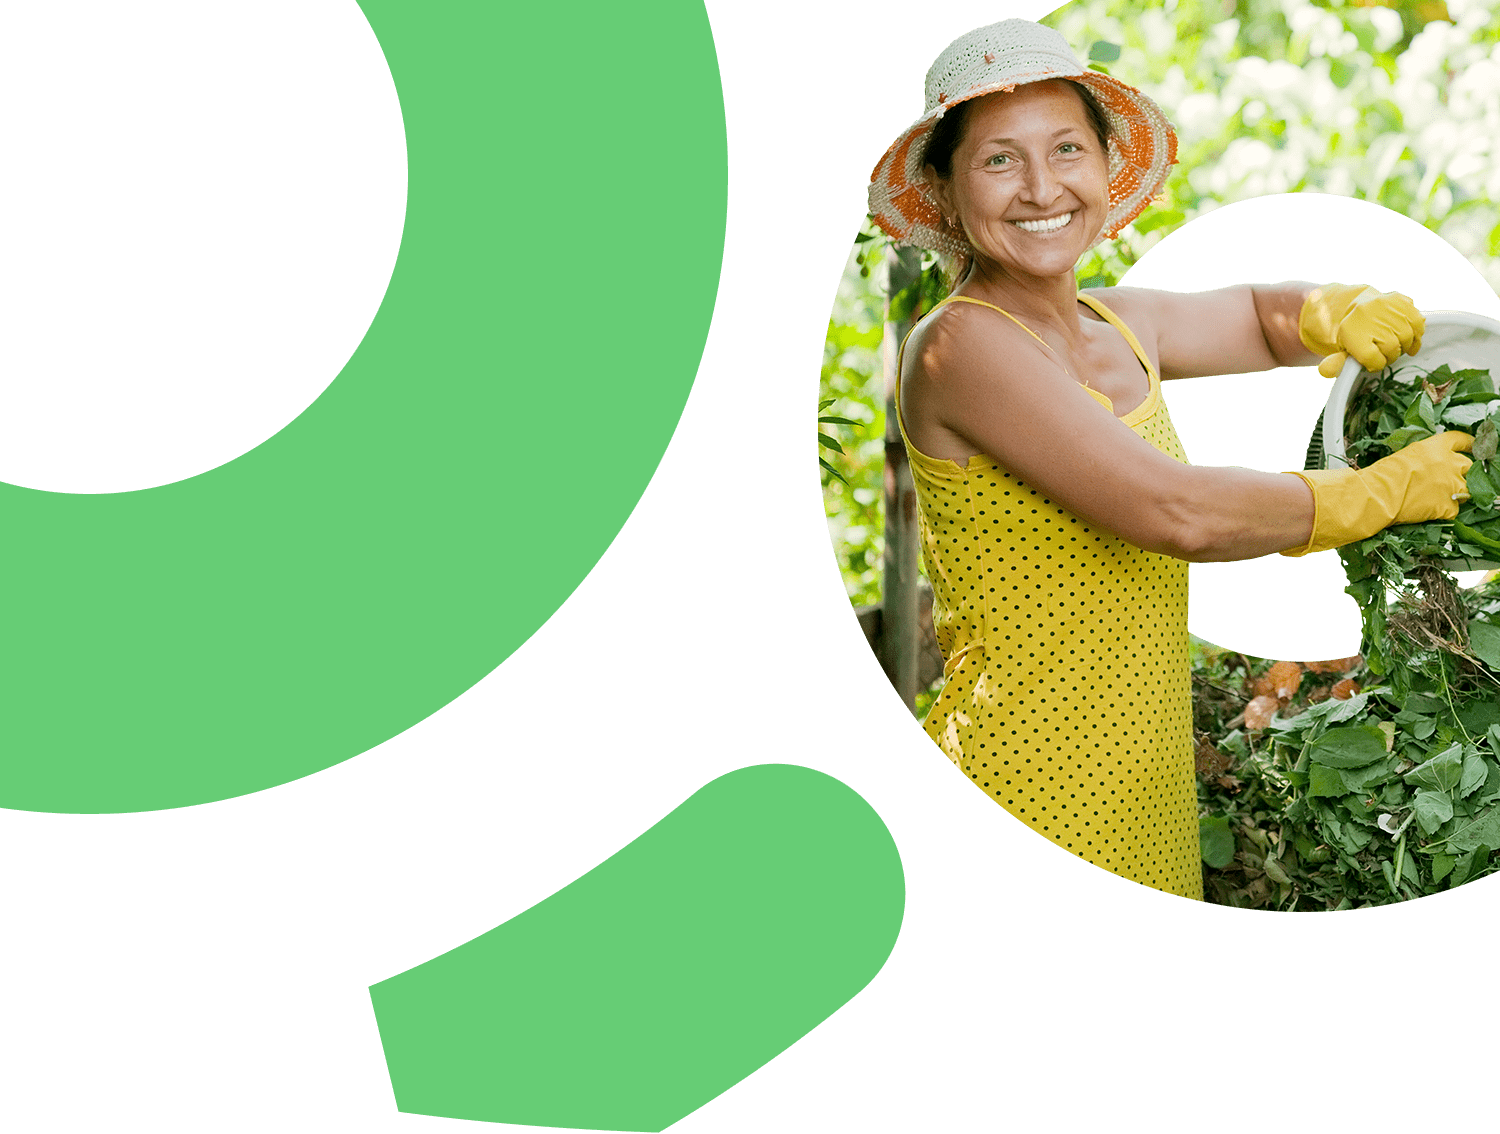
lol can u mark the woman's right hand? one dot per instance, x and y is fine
(1424, 481)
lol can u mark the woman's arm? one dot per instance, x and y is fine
(1234, 330)
(985, 380)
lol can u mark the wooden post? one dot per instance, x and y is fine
(900, 634)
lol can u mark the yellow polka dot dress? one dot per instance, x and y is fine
(1067, 693)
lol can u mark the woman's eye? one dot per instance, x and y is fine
(1068, 148)
(999, 159)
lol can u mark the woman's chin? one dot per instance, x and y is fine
(1059, 259)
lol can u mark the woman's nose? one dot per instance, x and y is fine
(1041, 186)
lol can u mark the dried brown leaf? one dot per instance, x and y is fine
(1206, 756)
(1258, 712)
(1285, 677)
(1343, 690)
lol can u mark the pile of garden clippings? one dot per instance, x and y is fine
(1336, 785)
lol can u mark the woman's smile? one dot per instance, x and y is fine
(1046, 225)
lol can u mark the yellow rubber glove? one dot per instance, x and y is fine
(1424, 481)
(1338, 320)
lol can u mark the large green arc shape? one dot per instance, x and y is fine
(398, 540)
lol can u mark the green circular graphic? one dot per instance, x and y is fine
(359, 570)
(1275, 606)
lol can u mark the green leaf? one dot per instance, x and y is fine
(1476, 770)
(1303, 720)
(1474, 535)
(1412, 414)
(1485, 438)
(1362, 779)
(1442, 866)
(1471, 385)
(1433, 809)
(1235, 743)
(1470, 865)
(1484, 642)
(1465, 415)
(1347, 709)
(1403, 437)
(1442, 772)
(829, 443)
(1477, 716)
(1216, 841)
(1425, 412)
(1481, 488)
(1353, 838)
(1102, 52)
(1276, 872)
(831, 470)
(1325, 781)
(829, 419)
(1482, 830)
(1349, 746)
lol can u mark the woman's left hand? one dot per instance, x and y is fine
(1339, 320)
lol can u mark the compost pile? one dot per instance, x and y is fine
(1377, 778)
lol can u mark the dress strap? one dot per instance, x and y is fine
(1119, 324)
(1003, 311)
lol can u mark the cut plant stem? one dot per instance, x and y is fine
(1400, 862)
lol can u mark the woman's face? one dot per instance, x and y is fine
(1030, 180)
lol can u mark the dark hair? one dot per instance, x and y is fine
(949, 131)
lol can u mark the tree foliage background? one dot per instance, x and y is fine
(1396, 103)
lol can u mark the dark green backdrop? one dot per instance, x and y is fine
(206, 969)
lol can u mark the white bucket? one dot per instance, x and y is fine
(1458, 338)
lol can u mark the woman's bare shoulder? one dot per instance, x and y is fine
(958, 343)
(961, 367)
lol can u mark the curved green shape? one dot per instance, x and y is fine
(392, 545)
(663, 976)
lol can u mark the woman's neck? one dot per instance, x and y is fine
(1052, 300)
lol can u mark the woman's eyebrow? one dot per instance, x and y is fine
(1013, 141)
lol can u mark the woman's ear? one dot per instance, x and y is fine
(938, 190)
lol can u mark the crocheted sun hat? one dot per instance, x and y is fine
(1002, 57)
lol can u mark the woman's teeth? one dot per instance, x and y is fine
(1051, 225)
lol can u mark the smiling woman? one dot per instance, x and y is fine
(1057, 508)
(1022, 143)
